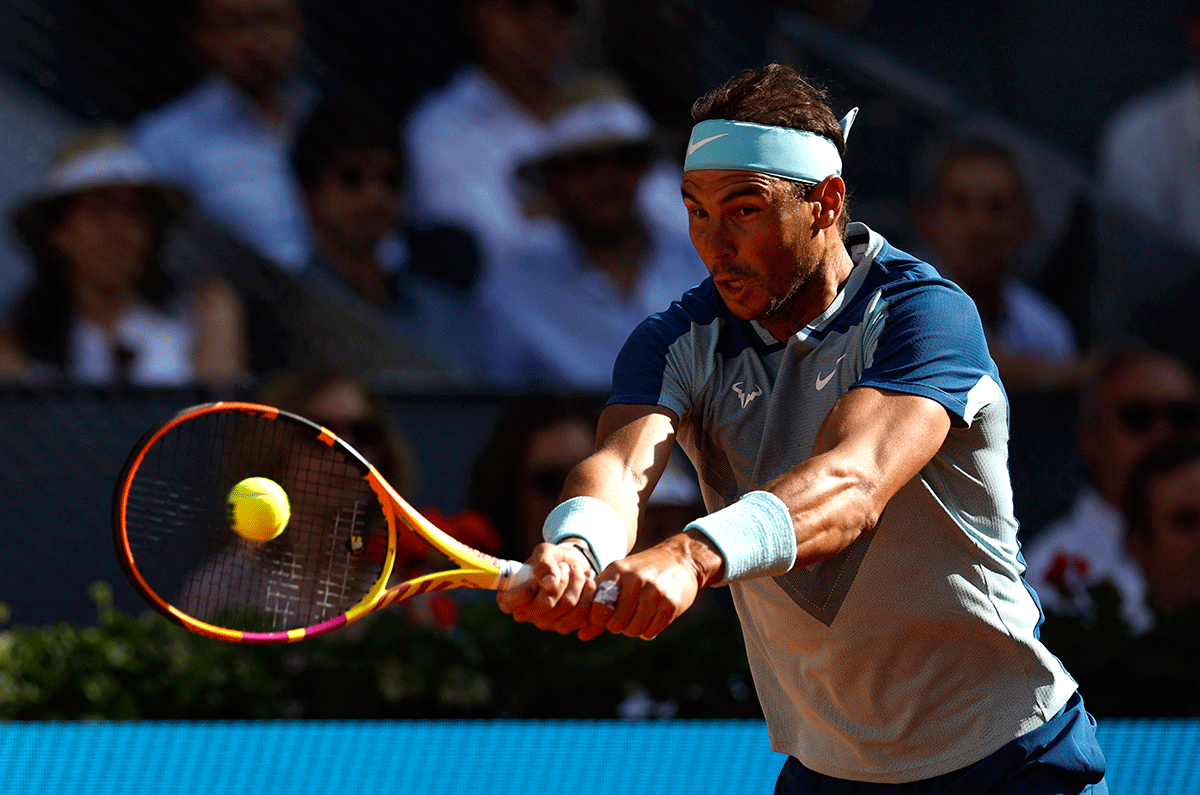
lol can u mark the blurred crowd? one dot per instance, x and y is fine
(312, 240)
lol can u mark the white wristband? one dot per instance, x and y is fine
(755, 535)
(594, 521)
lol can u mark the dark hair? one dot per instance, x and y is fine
(779, 96)
(42, 323)
(495, 486)
(339, 123)
(1165, 459)
(775, 95)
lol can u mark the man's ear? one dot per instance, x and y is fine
(830, 196)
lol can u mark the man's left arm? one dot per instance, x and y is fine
(872, 442)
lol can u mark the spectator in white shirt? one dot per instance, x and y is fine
(466, 139)
(102, 309)
(1137, 398)
(227, 140)
(556, 311)
(1150, 148)
(974, 215)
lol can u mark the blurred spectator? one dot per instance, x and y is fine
(519, 476)
(344, 405)
(1162, 510)
(1137, 399)
(558, 309)
(227, 139)
(973, 213)
(466, 139)
(1151, 670)
(1150, 148)
(102, 309)
(348, 161)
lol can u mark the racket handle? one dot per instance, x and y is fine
(607, 593)
(514, 575)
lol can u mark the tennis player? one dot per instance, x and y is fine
(849, 428)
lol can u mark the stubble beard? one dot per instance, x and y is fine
(789, 307)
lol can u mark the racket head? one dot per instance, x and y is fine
(171, 531)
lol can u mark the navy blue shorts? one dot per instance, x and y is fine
(1061, 757)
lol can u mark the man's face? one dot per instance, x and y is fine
(596, 192)
(975, 220)
(253, 43)
(757, 240)
(355, 200)
(105, 238)
(1169, 549)
(1150, 400)
(528, 40)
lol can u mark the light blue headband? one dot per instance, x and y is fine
(779, 151)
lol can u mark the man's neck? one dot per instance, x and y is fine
(829, 276)
(270, 101)
(102, 307)
(528, 89)
(358, 267)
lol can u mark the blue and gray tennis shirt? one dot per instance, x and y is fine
(913, 652)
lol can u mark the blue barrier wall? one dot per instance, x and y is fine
(497, 757)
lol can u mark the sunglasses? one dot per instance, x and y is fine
(355, 178)
(629, 156)
(548, 481)
(1139, 417)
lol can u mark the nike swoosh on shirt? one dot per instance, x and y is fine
(693, 147)
(821, 382)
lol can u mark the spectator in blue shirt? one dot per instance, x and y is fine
(349, 164)
(227, 139)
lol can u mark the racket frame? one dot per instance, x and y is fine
(476, 569)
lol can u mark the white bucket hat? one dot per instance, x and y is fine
(594, 115)
(95, 159)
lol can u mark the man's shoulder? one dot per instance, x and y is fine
(699, 307)
(899, 279)
(1090, 520)
(189, 112)
(1146, 117)
(454, 100)
(890, 267)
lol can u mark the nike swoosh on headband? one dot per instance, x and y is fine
(779, 151)
(693, 147)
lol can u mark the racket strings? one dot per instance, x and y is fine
(182, 544)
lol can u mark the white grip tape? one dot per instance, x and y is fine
(511, 575)
(593, 521)
(755, 535)
(607, 593)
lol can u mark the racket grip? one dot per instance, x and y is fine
(515, 574)
(607, 593)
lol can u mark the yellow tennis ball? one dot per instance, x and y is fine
(258, 509)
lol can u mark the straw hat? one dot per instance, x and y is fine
(98, 158)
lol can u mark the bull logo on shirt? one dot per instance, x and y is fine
(745, 396)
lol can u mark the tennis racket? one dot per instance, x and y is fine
(331, 565)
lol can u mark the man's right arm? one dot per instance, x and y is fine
(633, 445)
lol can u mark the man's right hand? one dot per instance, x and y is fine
(559, 597)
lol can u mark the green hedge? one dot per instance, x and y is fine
(488, 666)
(1126, 675)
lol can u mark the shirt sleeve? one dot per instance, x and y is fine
(926, 338)
(651, 367)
